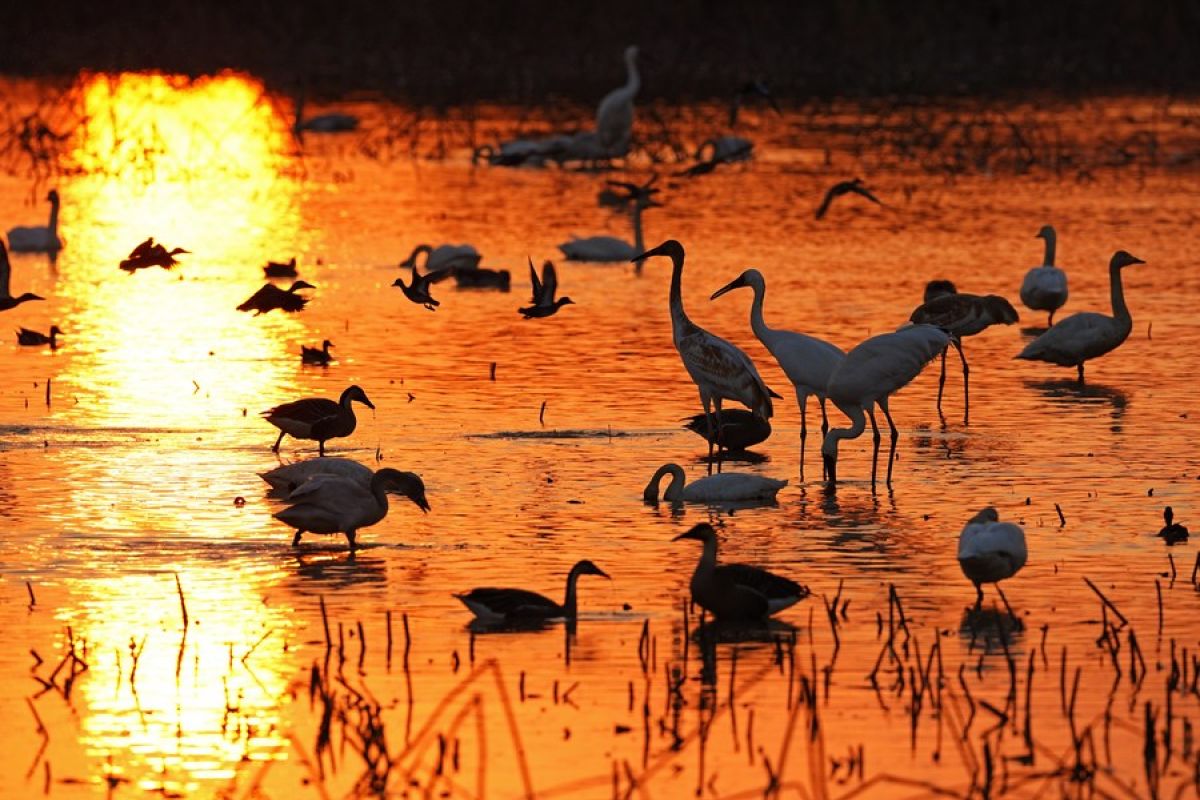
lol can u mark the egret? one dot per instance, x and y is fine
(317, 418)
(727, 487)
(286, 477)
(7, 301)
(846, 187)
(335, 504)
(1045, 287)
(544, 303)
(444, 256)
(271, 297)
(611, 248)
(150, 254)
(737, 592)
(807, 361)
(316, 355)
(990, 551)
(1087, 335)
(418, 290)
(614, 115)
(719, 369)
(493, 605)
(869, 375)
(38, 238)
(30, 338)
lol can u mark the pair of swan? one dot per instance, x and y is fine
(317, 418)
(38, 238)
(724, 487)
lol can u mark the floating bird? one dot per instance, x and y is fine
(1045, 287)
(729, 148)
(483, 278)
(418, 290)
(719, 369)
(807, 361)
(544, 304)
(317, 418)
(285, 478)
(149, 254)
(1087, 335)
(281, 269)
(335, 504)
(36, 238)
(727, 487)
(7, 301)
(737, 592)
(522, 152)
(614, 115)
(322, 123)
(610, 248)
(317, 355)
(493, 605)
(271, 297)
(1172, 532)
(738, 430)
(34, 338)
(990, 551)
(962, 315)
(869, 375)
(444, 256)
(845, 187)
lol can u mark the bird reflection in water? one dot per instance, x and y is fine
(1071, 392)
(339, 570)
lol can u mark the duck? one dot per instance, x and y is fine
(286, 477)
(418, 290)
(34, 338)
(319, 356)
(281, 269)
(444, 256)
(739, 429)
(614, 115)
(611, 248)
(855, 186)
(483, 278)
(1172, 532)
(317, 418)
(1045, 288)
(7, 301)
(990, 551)
(737, 592)
(36, 238)
(271, 297)
(493, 605)
(544, 303)
(330, 504)
(724, 487)
(149, 254)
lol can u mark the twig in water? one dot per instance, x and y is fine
(33, 600)
(1062, 521)
(1106, 601)
(542, 414)
(182, 602)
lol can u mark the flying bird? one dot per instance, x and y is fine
(418, 290)
(544, 303)
(1045, 287)
(150, 254)
(846, 187)
(271, 297)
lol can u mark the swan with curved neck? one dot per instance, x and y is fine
(1045, 287)
(1087, 335)
(38, 239)
(444, 256)
(614, 115)
(726, 487)
(336, 504)
(494, 605)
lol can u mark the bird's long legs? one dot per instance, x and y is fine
(1081, 374)
(802, 399)
(941, 381)
(720, 435)
(708, 421)
(350, 537)
(824, 433)
(296, 538)
(883, 403)
(875, 451)
(978, 597)
(966, 372)
(275, 448)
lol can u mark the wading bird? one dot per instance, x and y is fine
(150, 254)
(737, 592)
(494, 606)
(334, 504)
(281, 269)
(418, 290)
(271, 297)
(285, 478)
(7, 301)
(444, 256)
(719, 369)
(807, 361)
(317, 418)
(614, 115)
(38, 238)
(611, 248)
(30, 338)
(319, 356)
(846, 187)
(738, 430)
(990, 551)
(728, 487)
(1087, 335)
(1045, 287)
(544, 303)
(868, 376)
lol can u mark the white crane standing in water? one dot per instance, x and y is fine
(614, 115)
(1045, 287)
(719, 369)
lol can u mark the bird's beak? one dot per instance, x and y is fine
(603, 574)
(1136, 260)
(398, 282)
(687, 535)
(422, 503)
(646, 255)
(368, 403)
(733, 284)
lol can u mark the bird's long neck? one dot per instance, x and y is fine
(858, 420)
(1120, 310)
(53, 224)
(679, 317)
(1050, 243)
(379, 491)
(345, 400)
(674, 491)
(708, 559)
(569, 601)
(757, 323)
(633, 81)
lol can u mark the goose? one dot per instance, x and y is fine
(739, 429)
(271, 297)
(317, 418)
(7, 301)
(336, 504)
(807, 361)
(726, 487)
(990, 551)
(1172, 532)
(737, 592)
(38, 239)
(319, 356)
(149, 254)
(444, 256)
(418, 290)
(285, 478)
(281, 269)
(869, 375)
(544, 304)
(34, 338)
(492, 605)
(719, 369)
(614, 115)
(610, 248)
(846, 187)
(1087, 335)
(1045, 287)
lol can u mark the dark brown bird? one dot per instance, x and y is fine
(317, 355)
(7, 301)
(1172, 532)
(317, 418)
(544, 304)
(418, 290)
(737, 592)
(271, 297)
(846, 187)
(483, 278)
(35, 338)
(150, 254)
(492, 605)
(739, 429)
(279, 269)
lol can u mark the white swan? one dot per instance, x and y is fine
(606, 249)
(614, 115)
(284, 479)
(724, 487)
(444, 256)
(990, 551)
(38, 239)
(1045, 287)
(337, 504)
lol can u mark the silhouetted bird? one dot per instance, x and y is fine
(317, 355)
(150, 254)
(279, 269)
(1172, 532)
(35, 338)
(483, 278)
(739, 429)
(846, 187)
(271, 297)
(7, 301)
(418, 290)
(317, 418)
(937, 288)
(544, 304)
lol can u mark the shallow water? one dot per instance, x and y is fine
(126, 480)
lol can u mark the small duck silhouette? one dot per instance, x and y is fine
(1172, 532)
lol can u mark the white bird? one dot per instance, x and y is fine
(328, 503)
(285, 478)
(737, 592)
(719, 369)
(444, 256)
(38, 239)
(727, 487)
(614, 115)
(990, 551)
(807, 361)
(7, 301)
(493, 605)
(1087, 335)
(1045, 287)
(610, 248)
(870, 373)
